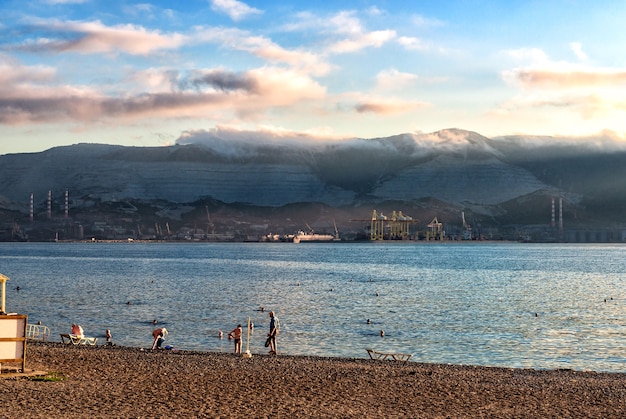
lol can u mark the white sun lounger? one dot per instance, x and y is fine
(390, 356)
(77, 340)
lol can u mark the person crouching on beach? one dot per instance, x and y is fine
(236, 335)
(159, 337)
(274, 329)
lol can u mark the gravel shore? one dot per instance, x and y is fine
(125, 382)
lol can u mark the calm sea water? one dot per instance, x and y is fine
(498, 304)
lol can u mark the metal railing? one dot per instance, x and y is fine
(37, 332)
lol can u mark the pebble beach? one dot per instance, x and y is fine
(122, 382)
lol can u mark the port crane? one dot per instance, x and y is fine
(436, 230)
(398, 225)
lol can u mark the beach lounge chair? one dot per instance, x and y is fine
(390, 356)
(77, 340)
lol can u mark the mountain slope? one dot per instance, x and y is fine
(460, 168)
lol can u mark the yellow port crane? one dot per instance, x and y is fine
(398, 225)
(436, 230)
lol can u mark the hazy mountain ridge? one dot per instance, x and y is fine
(458, 167)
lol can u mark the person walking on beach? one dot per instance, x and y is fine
(236, 334)
(274, 329)
(158, 335)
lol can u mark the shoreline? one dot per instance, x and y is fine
(117, 381)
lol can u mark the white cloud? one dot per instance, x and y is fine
(236, 10)
(577, 49)
(413, 43)
(375, 11)
(535, 56)
(346, 23)
(422, 21)
(265, 48)
(360, 41)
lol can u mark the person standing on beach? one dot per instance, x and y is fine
(159, 336)
(274, 329)
(236, 334)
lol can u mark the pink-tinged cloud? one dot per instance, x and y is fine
(388, 107)
(585, 106)
(393, 79)
(13, 74)
(236, 10)
(191, 96)
(563, 79)
(94, 37)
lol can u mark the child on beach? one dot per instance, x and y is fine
(236, 335)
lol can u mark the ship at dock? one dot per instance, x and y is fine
(312, 237)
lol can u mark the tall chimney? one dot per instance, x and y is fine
(561, 214)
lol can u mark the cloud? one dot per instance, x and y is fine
(345, 22)
(28, 96)
(94, 37)
(231, 140)
(416, 44)
(541, 72)
(357, 42)
(535, 56)
(375, 11)
(393, 79)
(13, 74)
(562, 78)
(605, 140)
(265, 49)
(236, 10)
(577, 49)
(593, 93)
(388, 106)
(344, 31)
(220, 80)
(422, 21)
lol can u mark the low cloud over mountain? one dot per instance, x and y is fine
(460, 168)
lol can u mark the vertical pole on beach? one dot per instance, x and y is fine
(3, 280)
(247, 353)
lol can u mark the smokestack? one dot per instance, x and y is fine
(49, 204)
(32, 209)
(67, 203)
(561, 214)
(552, 220)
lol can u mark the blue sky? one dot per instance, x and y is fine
(157, 73)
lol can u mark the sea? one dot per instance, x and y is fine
(517, 305)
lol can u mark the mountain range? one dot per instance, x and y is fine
(498, 182)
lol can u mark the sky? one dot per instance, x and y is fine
(157, 73)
